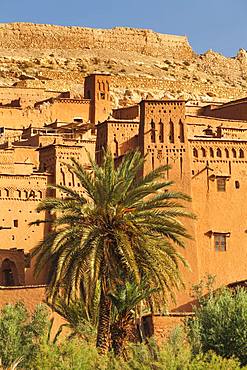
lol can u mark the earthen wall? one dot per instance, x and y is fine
(42, 37)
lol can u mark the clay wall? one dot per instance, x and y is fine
(42, 37)
(233, 110)
(220, 211)
(131, 112)
(118, 136)
(28, 96)
(63, 110)
(162, 326)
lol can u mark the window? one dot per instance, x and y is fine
(221, 184)
(211, 152)
(195, 152)
(227, 153)
(203, 152)
(237, 184)
(241, 153)
(218, 152)
(220, 242)
(234, 153)
(171, 135)
(15, 223)
(181, 131)
(161, 135)
(152, 132)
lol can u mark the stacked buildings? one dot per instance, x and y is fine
(206, 147)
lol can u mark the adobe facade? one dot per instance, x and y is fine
(205, 146)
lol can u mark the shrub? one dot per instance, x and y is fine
(20, 333)
(220, 325)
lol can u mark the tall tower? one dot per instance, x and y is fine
(97, 89)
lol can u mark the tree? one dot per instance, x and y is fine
(220, 324)
(128, 307)
(118, 224)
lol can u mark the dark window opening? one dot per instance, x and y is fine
(181, 132)
(8, 277)
(221, 184)
(153, 132)
(102, 95)
(15, 223)
(171, 135)
(161, 135)
(218, 153)
(237, 184)
(195, 152)
(220, 242)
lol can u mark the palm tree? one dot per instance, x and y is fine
(128, 310)
(120, 225)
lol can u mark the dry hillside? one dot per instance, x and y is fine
(140, 61)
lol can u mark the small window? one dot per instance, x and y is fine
(195, 152)
(234, 153)
(15, 223)
(220, 242)
(102, 95)
(241, 153)
(237, 184)
(218, 153)
(211, 152)
(221, 184)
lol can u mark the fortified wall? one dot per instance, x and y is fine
(43, 37)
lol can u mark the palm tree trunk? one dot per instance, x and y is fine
(103, 330)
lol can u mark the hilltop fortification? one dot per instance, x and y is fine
(141, 62)
(43, 37)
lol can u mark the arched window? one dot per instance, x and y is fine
(107, 86)
(9, 273)
(227, 153)
(103, 86)
(116, 146)
(234, 153)
(40, 194)
(152, 132)
(171, 134)
(18, 193)
(218, 153)
(161, 133)
(6, 192)
(181, 131)
(211, 152)
(241, 153)
(203, 152)
(26, 194)
(195, 152)
(63, 177)
(99, 86)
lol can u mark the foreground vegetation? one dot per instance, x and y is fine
(215, 338)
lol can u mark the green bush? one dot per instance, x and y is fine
(220, 325)
(20, 333)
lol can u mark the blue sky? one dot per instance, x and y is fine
(220, 25)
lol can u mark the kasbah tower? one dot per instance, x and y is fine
(205, 145)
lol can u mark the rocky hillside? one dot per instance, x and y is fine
(141, 62)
